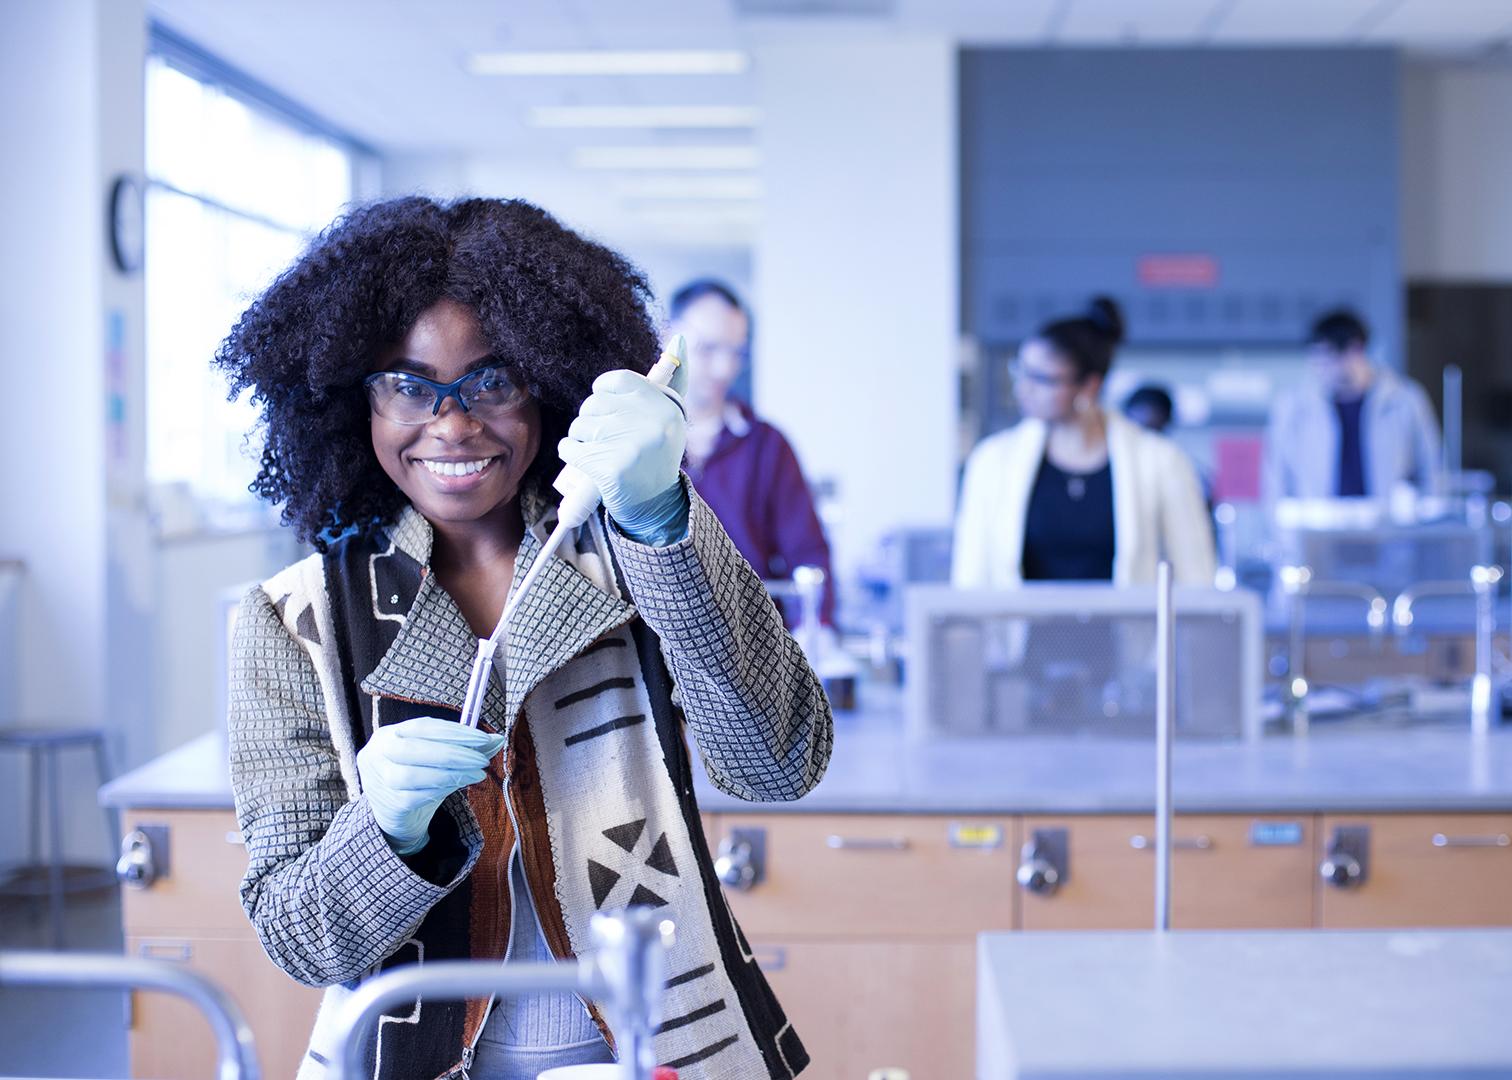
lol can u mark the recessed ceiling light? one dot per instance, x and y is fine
(645, 116)
(690, 187)
(683, 214)
(604, 62)
(666, 157)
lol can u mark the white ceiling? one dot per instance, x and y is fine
(390, 71)
(391, 74)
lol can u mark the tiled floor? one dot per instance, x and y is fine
(63, 1033)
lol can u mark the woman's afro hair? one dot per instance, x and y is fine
(557, 309)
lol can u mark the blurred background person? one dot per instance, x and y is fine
(744, 468)
(1150, 406)
(1355, 428)
(1075, 492)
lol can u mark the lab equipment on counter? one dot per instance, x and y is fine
(1358, 540)
(1057, 660)
(624, 972)
(836, 668)
(579, 500)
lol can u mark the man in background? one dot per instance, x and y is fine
(742, 466)
(1352, 430)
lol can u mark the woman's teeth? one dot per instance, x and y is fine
(456, 468)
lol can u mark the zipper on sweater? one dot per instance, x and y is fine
(530, 899)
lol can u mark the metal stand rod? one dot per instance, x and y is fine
(1484, 579)
(1454, 382)
(237, 1059)
(625, 973)
(1165, 730)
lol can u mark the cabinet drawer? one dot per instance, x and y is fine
(1227, 871)
(1423, 870)
(867, 875)
(199, 892)
(171, 1039)
(864, 1005)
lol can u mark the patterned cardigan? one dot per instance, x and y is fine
(594, 783)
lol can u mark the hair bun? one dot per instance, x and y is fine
(1104, 313)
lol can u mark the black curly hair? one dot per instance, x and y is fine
(558, 310)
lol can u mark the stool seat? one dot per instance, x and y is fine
(22, 736)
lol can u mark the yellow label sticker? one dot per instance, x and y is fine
(975, 836)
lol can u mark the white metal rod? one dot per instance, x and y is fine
(1165, 730)
(1454, 382)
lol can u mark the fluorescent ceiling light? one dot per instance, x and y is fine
(603, 62)
(674, 214)
(666, 157)
(644, 116)
(690, 187)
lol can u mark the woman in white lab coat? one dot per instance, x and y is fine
(1075, 492)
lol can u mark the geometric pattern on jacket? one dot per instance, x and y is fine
(596, 770)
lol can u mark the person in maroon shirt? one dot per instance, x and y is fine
(743, 466)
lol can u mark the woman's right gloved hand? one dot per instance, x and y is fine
(408, 768)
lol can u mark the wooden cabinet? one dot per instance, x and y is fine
(1227, 871)
(1420, 870)
(192, 915)
(863, 1005)
(874, 876)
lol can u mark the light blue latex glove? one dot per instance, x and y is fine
(408, 768)
(628, 438)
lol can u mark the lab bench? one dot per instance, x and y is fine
(1386, 1005)
(864, 900)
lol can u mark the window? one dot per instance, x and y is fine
(235, 189)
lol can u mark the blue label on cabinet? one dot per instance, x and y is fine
(1275, 833)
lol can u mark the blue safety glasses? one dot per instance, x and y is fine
(406, 398)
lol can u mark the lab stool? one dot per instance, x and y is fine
(51, 877)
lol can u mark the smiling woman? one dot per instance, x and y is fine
(552, 309)
(418, 372)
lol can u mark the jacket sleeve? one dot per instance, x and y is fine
(1428, 447)
(1275, 484)
(326, 894)
(970, 560)
(757, 712)
(1185, 527)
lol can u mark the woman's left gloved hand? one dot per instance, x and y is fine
(628, 438)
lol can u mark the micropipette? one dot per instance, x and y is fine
(580, 498)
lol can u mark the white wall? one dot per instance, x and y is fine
(857, 274)
(579, 200)
(70, 119)
(1457, 173)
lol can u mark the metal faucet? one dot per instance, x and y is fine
(625, 972)
(1482, 585)
(1300, 585)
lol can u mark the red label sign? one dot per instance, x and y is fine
(1178, 271)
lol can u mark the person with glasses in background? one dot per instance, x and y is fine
(742, 466)
(1352, 429)
(1076, 492)
(424, 371)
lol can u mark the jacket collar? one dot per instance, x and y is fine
(431, 658)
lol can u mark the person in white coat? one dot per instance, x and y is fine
(1352, 429)
(1074, 491)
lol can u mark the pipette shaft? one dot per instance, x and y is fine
(580, 498)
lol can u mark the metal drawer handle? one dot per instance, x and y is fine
(1181, 843)
(177, 951)
(867, 843)
(1499, 840)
